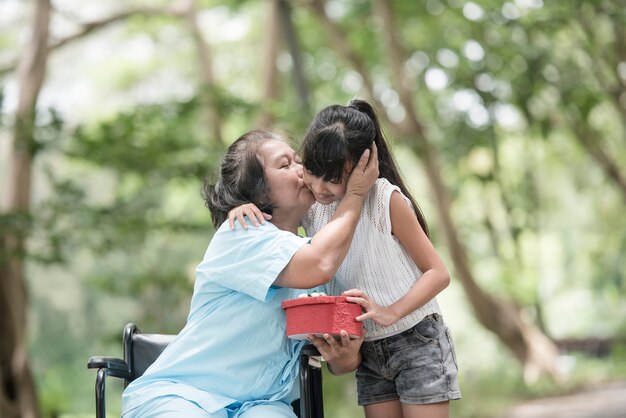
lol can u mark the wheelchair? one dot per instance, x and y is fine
(142, 349)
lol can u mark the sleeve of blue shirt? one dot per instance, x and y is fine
(247, 261)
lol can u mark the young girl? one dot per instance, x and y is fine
(408, 366)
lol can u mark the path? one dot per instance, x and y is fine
(608, 401)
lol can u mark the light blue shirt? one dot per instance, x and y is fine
(233, 350)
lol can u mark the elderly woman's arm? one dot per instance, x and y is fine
(316, 264)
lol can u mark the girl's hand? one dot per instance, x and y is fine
(364, 174)
(383, 316)
(251, 211)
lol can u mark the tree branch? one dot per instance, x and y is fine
(338, 40)
(593, 146)
(611, 58)
(90, 27)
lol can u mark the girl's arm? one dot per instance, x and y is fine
(435, 276)
(315, 264)
(251, 211)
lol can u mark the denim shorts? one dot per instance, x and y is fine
(417, 366)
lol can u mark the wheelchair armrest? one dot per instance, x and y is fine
(115, 367)
(107, 366)
(311, 355)
(310, 350)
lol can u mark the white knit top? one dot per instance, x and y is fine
(376, 263)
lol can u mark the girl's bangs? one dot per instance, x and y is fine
(325, 156)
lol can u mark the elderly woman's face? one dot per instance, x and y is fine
(283, 173)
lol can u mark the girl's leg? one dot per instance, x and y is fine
(386, 409)
(431, 410)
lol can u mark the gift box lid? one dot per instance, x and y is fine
(314, 300)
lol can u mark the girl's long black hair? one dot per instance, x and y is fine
(339, 135)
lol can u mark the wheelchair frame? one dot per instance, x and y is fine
(141, 350)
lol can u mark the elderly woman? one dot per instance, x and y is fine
(232, 358)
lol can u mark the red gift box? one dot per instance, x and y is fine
(322, 315)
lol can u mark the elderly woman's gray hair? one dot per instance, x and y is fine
(241, 177)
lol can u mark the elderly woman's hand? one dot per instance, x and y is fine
(342, 355)
(364, 174)
(251, 211)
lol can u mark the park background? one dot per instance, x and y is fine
(508, 119)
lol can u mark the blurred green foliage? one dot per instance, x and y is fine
(528, 119)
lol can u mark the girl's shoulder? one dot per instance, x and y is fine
(378, 204)
(382, 190)
(382, 184)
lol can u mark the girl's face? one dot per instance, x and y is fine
(326, 192)
(283, 173)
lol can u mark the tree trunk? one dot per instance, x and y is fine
(269, 70)
(291, 37)
(17, 394)
(211, 104)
